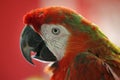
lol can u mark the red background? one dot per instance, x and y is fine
(12, 64)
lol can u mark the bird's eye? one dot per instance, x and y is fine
(55, 31)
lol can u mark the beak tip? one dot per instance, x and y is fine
(27, 57)
(30, 61)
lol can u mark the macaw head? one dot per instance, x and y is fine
(53, 32)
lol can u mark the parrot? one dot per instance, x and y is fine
(75, 48)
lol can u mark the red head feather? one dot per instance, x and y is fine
(49, 15)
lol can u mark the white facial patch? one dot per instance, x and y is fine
(55, 37)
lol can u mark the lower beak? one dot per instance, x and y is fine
(31, 41)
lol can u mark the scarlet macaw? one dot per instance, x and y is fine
(77, 48)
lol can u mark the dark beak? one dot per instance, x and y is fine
(31, 41)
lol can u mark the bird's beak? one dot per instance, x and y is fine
(31, 41)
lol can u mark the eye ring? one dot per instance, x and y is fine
(56, 31)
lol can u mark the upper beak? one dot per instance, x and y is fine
(32, 41)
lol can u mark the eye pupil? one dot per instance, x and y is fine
(55, 31)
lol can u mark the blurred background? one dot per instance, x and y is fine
(104, 13)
